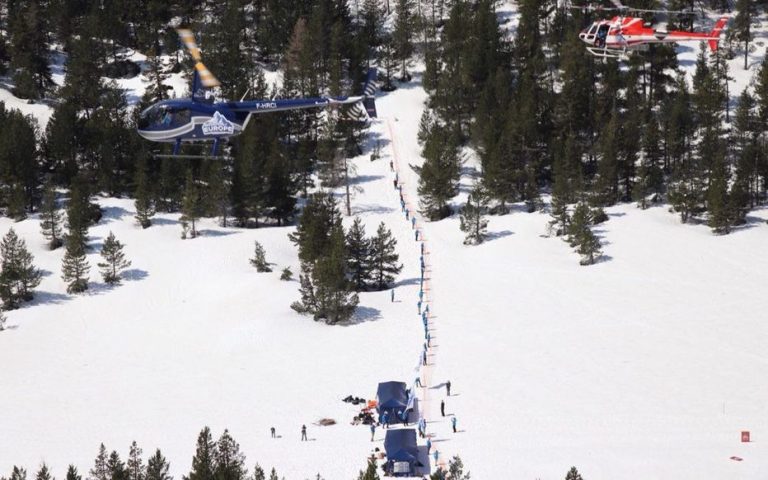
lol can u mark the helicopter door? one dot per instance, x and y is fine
(602, 35)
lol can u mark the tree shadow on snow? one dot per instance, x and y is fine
(363, 314)
(135, 274)
(371, 208)
(365, 179)
(163, 221)
(216, 233)
(110, 214)
(48, 298)
(497, 235)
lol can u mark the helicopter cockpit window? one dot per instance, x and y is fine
(602, 34)
(163, 116)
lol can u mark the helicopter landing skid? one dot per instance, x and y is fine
(609, 53)
(191, 157)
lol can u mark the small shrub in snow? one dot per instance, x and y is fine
(259, 259)
(287, 274)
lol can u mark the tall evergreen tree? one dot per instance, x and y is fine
(116, 467)
(358, 255)
(145, 208)
(111, 268)
(385, 264)
(204, 461)
(229, 461)
(50, 217)
(402, 36)
(439, 174)
(741, 28)
(157, 467)
(99, 470)
(135, 465)
(74, 271)
(72, 473)
(473, 222)
(44, 473)
(190, 208)
(18, 276)
(18, 473)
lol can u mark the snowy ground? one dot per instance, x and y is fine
(652, 361)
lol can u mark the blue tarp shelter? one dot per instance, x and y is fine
(402, 452)
(392, 397)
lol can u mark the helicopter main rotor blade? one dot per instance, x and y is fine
(188, 39)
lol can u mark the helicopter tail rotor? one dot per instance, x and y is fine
(206, 77)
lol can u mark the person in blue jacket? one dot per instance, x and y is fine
(429, 445)
(373, 430)
(453, 423)
(384, 420)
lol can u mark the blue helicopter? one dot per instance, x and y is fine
(200, 118)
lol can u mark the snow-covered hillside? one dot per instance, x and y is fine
(648, 364)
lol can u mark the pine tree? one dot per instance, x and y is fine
(650, 175)
(3, 320)
(145, 209)
(402, 36)
(135, 465)
(18, 276)
(335, 301)
(75, 268)
(116, 467)
(741, 28)
(78, 210)
(50, 217)
(273, 474)
(44, 473)
(384, 259)
(259, 259)
(456, 469)
(190, 209)
(99, 470)
(72, 473)
(258, 473)
(439, 174)
(579, 222)
(229, 461)
(358, 255)
(204, 461)
(286, 275)
(318, 219)
(607, 185)
(157, 467)
(113, 265)
(718, 201)
(370, 472)
(573, 474)
(29, 50)
(589, 248)
(473, 222)
(18, 473)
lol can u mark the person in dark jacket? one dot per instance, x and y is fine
(442, 407)
(448, 387)
(303, 433)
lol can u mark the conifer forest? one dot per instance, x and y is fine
(574, 234)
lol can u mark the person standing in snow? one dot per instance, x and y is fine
(453, 423)
(272, 429)
(429, 340)
(303, 433)
(384, 420)
(448, 388)
(442, 407)
(435, 455)
(392, 296)
(418, 382)
(424, 358)
(373, 430)
(429, 445)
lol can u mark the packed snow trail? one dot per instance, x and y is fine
(427, 407)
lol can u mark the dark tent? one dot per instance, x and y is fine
(392, 398)
(402, 452)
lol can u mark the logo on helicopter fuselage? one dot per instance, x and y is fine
(266, 105)
(218, 125)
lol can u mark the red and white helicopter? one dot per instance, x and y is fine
(623, 34)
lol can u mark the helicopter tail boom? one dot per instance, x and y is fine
(715, 33)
